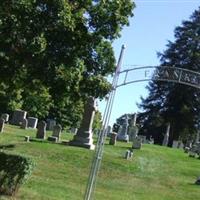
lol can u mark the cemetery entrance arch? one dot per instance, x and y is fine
(130, 76)
(159, 73)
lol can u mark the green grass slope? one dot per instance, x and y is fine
(61, 171)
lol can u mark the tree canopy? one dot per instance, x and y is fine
(169, 102)
(54, 54)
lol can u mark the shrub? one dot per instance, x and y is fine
(14, 170)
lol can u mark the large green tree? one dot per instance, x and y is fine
(170, 102)
(56, 53)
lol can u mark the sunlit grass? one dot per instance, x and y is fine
(61, 172)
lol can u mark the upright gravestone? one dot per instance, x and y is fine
(5, 116)
(137, 143)
(41, 132)
(175, 144)
(197, 137)
(143, 139)
(83, 138)
(123, 132)
(57, 131)
(2, 121)
(113, 138)
(133, 129)
(50, 124)
(32, 122)
(24, 124)
(18, 117)
(166, 137)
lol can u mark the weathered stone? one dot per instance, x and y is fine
(166, 137)
(57, 131)
(83, 138)
(137, 143)
(53, 139)
(50, 124)
(175, 144)
(133, 132)
(113, 138)
(123, 131)
(41, 132)
(128, 154)
(32, 122)
(27, 138)
(197, 137)
(2, 121)
(143, 138)
(5, 116)
(24, 124)
(18, 117)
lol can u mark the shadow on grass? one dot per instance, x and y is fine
(66, 143)
(8, 146)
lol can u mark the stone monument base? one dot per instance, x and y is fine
(85, 140)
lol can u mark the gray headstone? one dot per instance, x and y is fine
(137, 143)
(83, 138)
(57, 131)
(166, 137)
(128, 154)
(133, 132)
(197, 137)
(5, 116)
(32, 122)
(50, 124)
(2, 121)
(24, 124)
(175, 144)
(143, 138)
(123, 132)
(41, 131)
(113, 138)
(18, 117)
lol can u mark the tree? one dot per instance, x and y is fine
(62, 44)
(170, 102)
(97, 123)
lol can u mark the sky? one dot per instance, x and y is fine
(149, 31)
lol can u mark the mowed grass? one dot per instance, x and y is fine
(61, 171)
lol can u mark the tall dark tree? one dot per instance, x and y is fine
(170, 102)
(54, 54)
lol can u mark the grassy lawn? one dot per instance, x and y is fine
(61, 171)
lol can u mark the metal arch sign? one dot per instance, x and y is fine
(159, 73)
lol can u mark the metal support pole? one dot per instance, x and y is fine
(102, 134)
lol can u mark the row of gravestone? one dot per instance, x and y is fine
(193, 150)
(125, 134)
(19, 119)
(41, 132)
